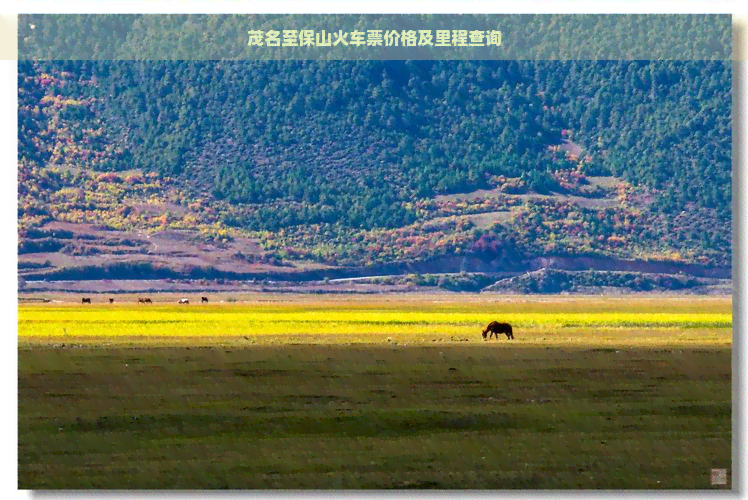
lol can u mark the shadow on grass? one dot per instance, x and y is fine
(388, 423)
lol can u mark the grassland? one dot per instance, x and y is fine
(401, 392)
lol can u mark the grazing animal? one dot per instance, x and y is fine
(144, 301)
(495, 328)
(86, 300)
(111, 301)
(204, 300)
(184, 301)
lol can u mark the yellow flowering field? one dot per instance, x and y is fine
(315, 321)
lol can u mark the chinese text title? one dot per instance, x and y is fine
(375, 38)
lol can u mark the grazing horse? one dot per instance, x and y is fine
(184, 301)
(204, 300)
(111, 301)
(495, 328)
(86, 300)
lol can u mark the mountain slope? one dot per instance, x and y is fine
(344, 163)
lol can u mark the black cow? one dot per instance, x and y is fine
(111, 301)
(495, 328)
(86, 300)
(204, 300)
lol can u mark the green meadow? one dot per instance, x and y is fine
(391, 392)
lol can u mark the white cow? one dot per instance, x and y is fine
(184, 301)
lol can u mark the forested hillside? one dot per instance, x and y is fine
(344, 163)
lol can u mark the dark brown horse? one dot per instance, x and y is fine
(495, 328)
